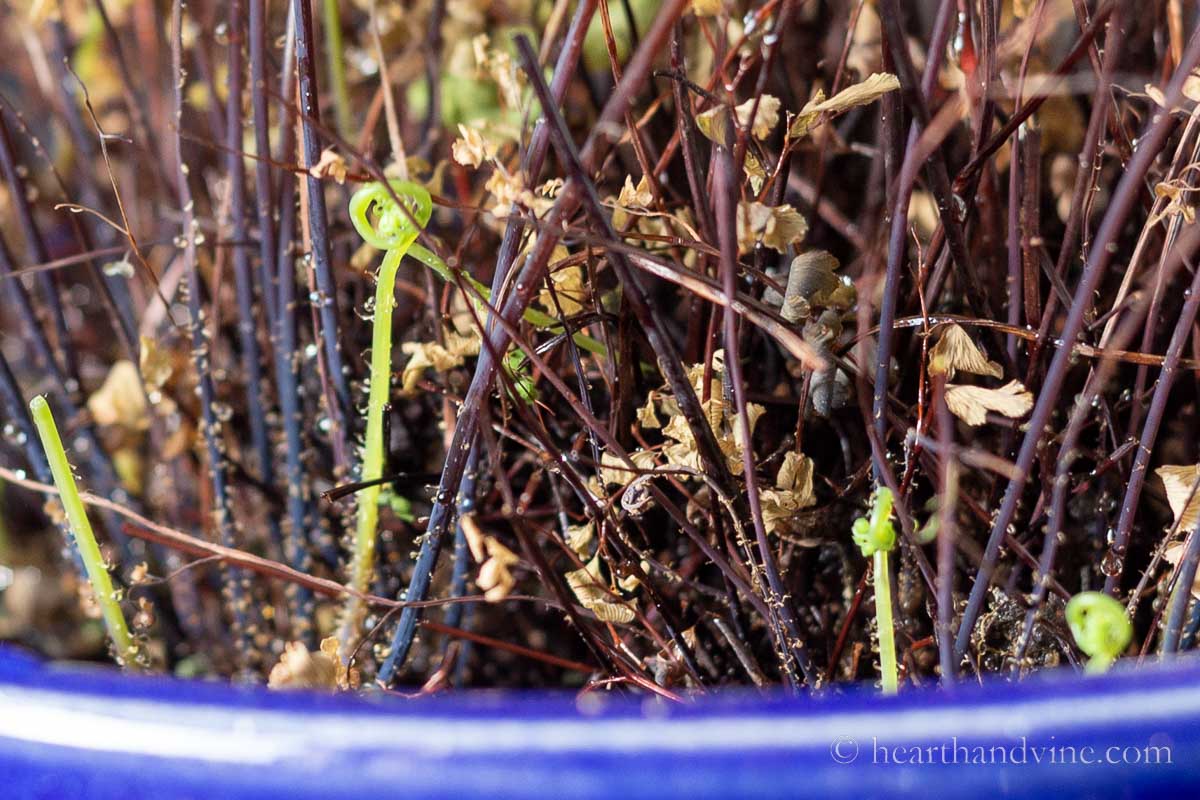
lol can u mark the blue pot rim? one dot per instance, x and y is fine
(92, 732)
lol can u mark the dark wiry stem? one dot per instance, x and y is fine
(1124, 198)
(279, 293)
(235, 587)
(465, 433)
(897, 240)
(35, 248)
(791, 646)
(1150, 429)
(116, 285)
(247, 326)
(525, 288)
(318, 219)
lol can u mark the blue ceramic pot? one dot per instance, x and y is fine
(83, 733)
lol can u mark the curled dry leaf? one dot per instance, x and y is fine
(139, 574)
(595, 597)
(714, 123)
(766, 117)
(613, 469)
(120, 400)
(755, 172)
(121, 267)
(579, 537)
(1173, 554)
(775, 226)
(568, 287)
(956, 350)
(971, 403)
(499, 66)
(680, 448)
(646, 415)
(860, 94)
(495, 578)
(1178, 481)
(298, 668)
(793, 491)
(475, 536)
(635, 197)
(472, 149)
(1177, 203)
(330, 165)
(425, 355)
(1191, 91)
(154, 363)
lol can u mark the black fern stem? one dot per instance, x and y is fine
(462, 555)
(897, 253)
(783, 617)
(285, 191)
(263, 196)
(123, 325)
(465, 429)
(35, 250)
(235, 580)
(279, 292)
(247, 324)
(82, 140)
(1150, 429)
(582, 191)
(318, 223)
(1081, 415)
(1123, 200)
(135, 98)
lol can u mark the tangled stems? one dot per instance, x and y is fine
(386, 235)
(1100, 627)
(383, 224)
(81, 532)
(876, 537)
(394, 230)
(534, 317)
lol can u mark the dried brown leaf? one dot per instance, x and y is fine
(1173, 554)
(813, 281)
(775, 226)
(956, 350)
(592, 594)
(971, 403)
(766, 117)
(298, 668)
(860, 94)
(472, 148)
(120, 400)
(330, 165)
(1178, 481)
(635, 197)
(495, 578)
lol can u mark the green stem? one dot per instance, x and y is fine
(337, 65)
(373, 446)
(883, 621)
(81, 532)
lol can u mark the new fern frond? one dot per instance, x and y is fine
(393, 230)
(876, 536)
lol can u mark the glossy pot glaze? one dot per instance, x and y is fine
(93, 733)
